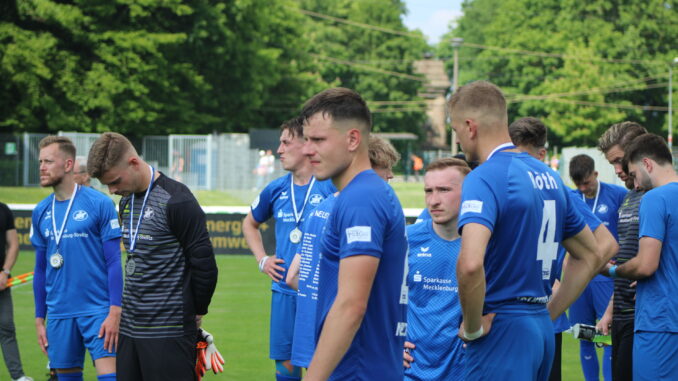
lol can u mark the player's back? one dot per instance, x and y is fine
(524, 204)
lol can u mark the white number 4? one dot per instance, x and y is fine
(547, 247)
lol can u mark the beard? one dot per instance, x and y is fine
(51, 182)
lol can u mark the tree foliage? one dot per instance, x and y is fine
(192, 66)
(607, 54)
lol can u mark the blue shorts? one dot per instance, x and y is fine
(592, 303)
(68, 339)
(519, 347)
(283, 311)
(655, 356)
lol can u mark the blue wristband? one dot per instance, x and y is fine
(612, 271)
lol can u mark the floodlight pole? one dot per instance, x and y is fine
(670, 137)
(456, 43)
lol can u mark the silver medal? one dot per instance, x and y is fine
(295, 235)
(56, 260)
(130, 267)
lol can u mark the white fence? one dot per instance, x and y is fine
(202, 162)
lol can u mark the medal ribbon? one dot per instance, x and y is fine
(58, 233)
(595, 202)
(134, 232)
(297, 215)
(501, 147)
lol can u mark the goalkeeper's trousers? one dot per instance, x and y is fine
(161, 359)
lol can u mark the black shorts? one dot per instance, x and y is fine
(162, 359)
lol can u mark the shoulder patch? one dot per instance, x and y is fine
(115, 224)
(359, 234)
(255, 203)
(472, 206)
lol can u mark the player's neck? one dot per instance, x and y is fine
(64, 190)
(447, 231)
(666, 176)
(490, 143)
(360, 163)
(145, 177)
(302, 175)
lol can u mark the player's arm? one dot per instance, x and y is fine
(651, 230)
(11, 254)
(605, 322)
(188, 223)
(40, 296)
(356, 276)
(292, 279)
(607, 244)
(471, 278)
(644, 264)
(267, 265)
(110, 327)
(584, 262)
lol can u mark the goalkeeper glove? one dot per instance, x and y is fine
(213, 359)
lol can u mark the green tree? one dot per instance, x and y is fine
(358, 58)
(596, 50)
(152, 66)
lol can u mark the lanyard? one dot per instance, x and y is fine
(58, 233)
(595, 203)
(134, 232)
(501, 147)
(297, 215)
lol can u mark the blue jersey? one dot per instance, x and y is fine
(562, 323)
(610, 199)
(80, 286)
(433, 308)
(367, 219)
(303, 344)
(275, 201)
(526, 207)
(656, 303)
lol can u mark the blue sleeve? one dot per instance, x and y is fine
(424, 215)
(574, 222)
(109, 225)
(37, 240)
(361, 224)
(39, 290)
(652, 216)
(262, 206)
(478, 203)
(114, 267)
(580, 206)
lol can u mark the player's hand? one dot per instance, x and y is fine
(198, 320)
(407, 354)
(42, 334)
(213, 359)
(604, 324)
(485, 321)
(272, 269)
(3, 280)
(110, 328)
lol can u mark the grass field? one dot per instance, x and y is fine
(411, 195)
(239, 311)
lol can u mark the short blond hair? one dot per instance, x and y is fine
(481, 98)
(65, 144)
(107, 152)
(449, 162)
(382, 153)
